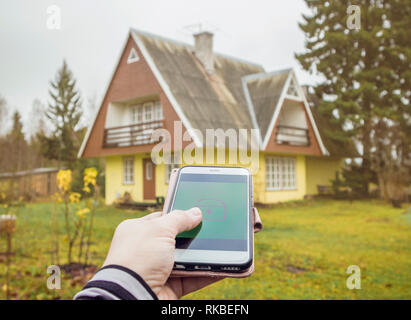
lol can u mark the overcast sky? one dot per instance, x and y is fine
(93, 31)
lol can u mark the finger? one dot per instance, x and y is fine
(194, 284)
(180, 221)
(151, 216)
(183, 286)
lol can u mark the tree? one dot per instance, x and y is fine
(37, 130)
(392, 160)
(3, 114)
(64, 112)
(37, 119)
(17, 145)
(367, 71)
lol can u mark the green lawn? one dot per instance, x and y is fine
(302, 253)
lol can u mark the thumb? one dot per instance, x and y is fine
(181, 221)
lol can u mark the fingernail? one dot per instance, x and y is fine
(195, 211)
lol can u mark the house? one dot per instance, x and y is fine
(39, 182)
(158, 82)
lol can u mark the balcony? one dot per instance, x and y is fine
(294, 136)
(131, 135)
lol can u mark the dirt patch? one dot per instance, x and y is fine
(78, 272)
(3, 256)
(295, 269)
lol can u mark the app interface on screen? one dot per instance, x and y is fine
(223, 202)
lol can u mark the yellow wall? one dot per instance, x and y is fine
(310, 172)
(114, 179)
(262, 195)
(320, 171)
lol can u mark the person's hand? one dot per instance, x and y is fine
(147, 245)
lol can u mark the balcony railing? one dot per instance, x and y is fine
(131, 135)
(294, 136)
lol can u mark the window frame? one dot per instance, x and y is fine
(293, 90)
(126, 173)
(142, 111)
(132, 56)
(149, 169)
(281, 173)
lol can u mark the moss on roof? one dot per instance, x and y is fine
(265, 91)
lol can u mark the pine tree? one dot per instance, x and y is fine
(65, 112)
(366, 71)
(3, 114)
(17, 148)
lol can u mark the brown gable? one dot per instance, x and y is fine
(312, 149)
(237, 95)
(129, 81)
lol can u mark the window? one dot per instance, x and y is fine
(132, 56)
(280, 173)
(292, 89)
(172, 165)
(149, 171)
(147, 112)
(128, 170)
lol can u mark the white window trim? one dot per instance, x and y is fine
(125, 173)
(281, 188)
(154, 108)
(293, 84)
(132, 56)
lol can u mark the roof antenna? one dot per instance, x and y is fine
(192, 29)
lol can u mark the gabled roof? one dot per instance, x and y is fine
(207, 100)
(264, 91)
(238, 95)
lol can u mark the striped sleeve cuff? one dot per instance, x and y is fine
(114, 282)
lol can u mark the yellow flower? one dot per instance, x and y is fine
(3, 196)
(4, 288)
(90, 175)
(74, 197)
(64, 180)
(82, 213)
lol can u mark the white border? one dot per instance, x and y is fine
(251, 109)
(276, 111)
(214, 256)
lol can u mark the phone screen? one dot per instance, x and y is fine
(223, 200)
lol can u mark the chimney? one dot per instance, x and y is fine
(204, 50)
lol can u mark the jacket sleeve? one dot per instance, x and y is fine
(114, 282)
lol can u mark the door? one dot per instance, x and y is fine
(149, 178)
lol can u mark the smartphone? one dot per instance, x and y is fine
(223, 241)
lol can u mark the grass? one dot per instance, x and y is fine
(302, 253)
